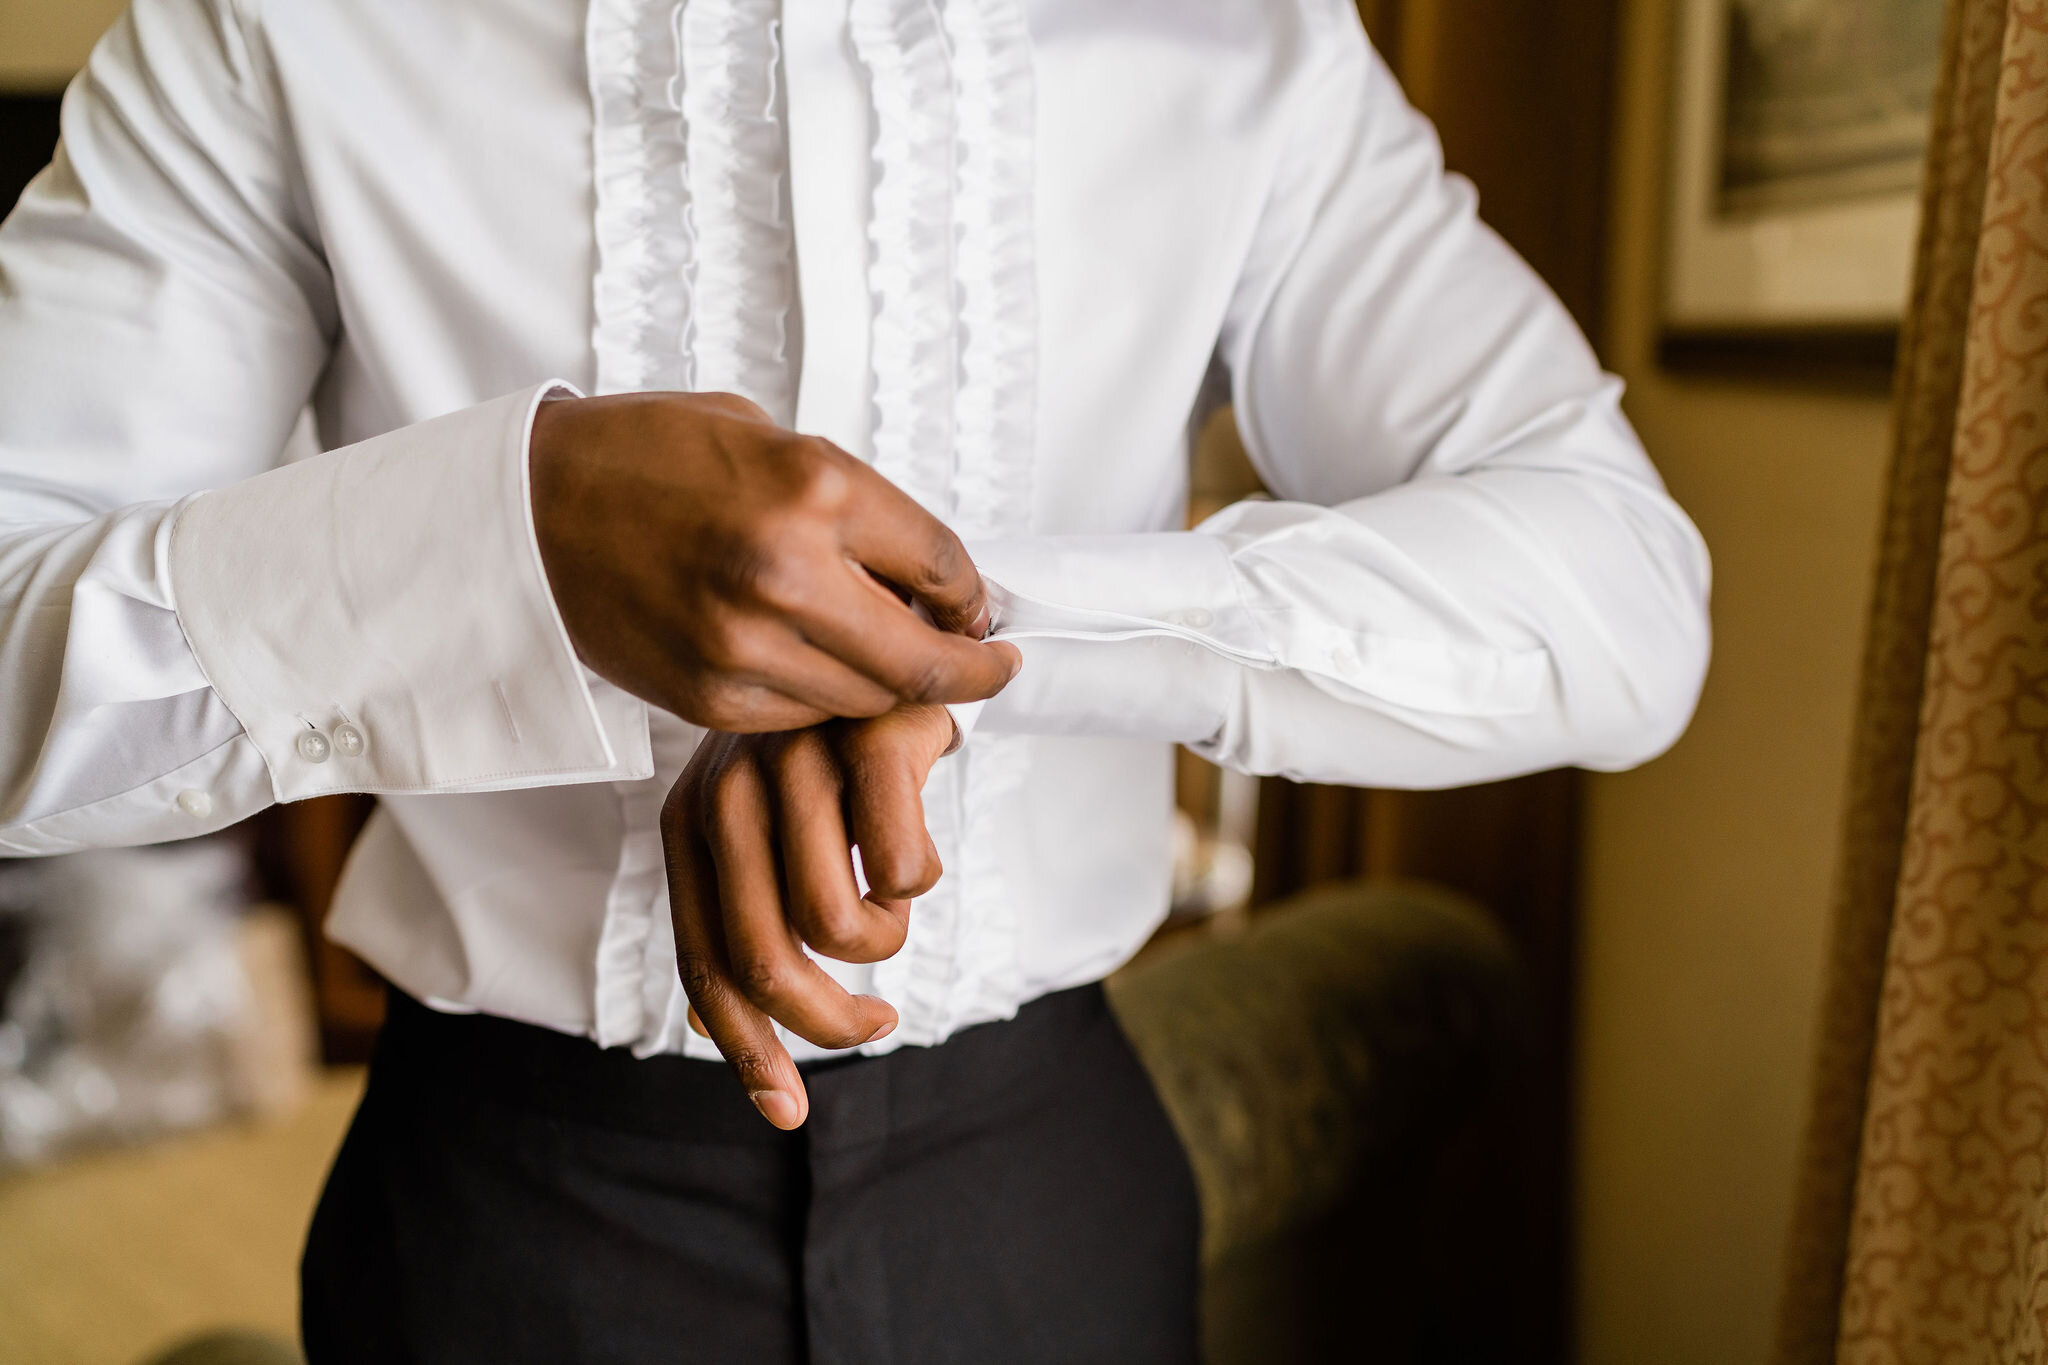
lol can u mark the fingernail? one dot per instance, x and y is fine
(776, 1107)
(1016, 661)
(981, 625)
(883, 1032)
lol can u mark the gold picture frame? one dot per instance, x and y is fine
(1800, 134)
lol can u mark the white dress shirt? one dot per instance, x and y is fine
(1007, 250)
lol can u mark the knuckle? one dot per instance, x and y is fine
(870, 780)
(761, 979)
(820, 482)
(712, 701)
(745, 557)
(836, 928)
(716, 638)
(871, 702)
(732, 405)
(784, 585)
(732, 792)
(895, 874)
(716, 706)
(733, 644)
(946, 566)
(892, 935)
(926, 680)
(699, 977)
(810, 751)
(790, 759)
(842, 1035)
(750, 1062)
(736, 707)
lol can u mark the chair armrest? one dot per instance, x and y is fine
(1352, 1026)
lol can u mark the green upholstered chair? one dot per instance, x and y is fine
(1316, 1065)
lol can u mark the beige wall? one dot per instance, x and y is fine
(43, 41)
(1707, 873)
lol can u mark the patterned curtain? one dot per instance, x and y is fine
(1921, 1232)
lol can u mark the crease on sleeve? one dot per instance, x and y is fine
(229, 774)
(395, 588)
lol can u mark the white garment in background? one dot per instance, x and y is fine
(998, 247)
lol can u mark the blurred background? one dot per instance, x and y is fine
(1722, 191)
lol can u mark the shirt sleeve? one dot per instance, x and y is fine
(371, 619)
(1471, 569)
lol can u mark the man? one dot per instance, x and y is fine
(989, 255)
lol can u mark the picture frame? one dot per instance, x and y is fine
(1799, 142)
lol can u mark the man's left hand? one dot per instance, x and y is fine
(757, 833)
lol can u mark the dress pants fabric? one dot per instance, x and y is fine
(507, 1194)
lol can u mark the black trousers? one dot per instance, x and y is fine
(508, 1194)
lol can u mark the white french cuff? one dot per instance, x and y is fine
(1119, 587)
(378, 618)
(1187, 585)
(966, 715)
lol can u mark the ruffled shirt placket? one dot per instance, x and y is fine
(696, 289)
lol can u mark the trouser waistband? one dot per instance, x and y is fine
(853, 1099)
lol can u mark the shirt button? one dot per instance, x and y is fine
(349, 741)
(196, 804)
(1196, 617)
(313, 746)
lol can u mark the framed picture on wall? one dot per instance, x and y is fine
(1801, 131)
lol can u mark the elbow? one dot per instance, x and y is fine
(1658, 637)
(1658, 691)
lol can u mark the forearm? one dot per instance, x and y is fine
(107, 720)
(1457, 629)
(373, 619)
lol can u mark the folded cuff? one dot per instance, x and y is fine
(378, 618)
(1177, 583)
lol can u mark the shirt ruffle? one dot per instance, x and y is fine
(995, 427)
(910, 235)
(744, 281)
(955, 345)
(641, 294)
(695, 287)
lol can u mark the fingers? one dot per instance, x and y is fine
(811, 678)
(744, 1035)
(817, 866)
(887, 530)
(885, 763)
(762, 950)
(749, 807)
(884, 640)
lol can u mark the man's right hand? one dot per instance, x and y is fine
(726, 569)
